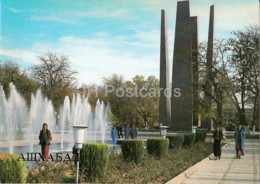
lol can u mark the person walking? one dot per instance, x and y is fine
(114, 134)
(217, 136)
(45, 138)
(239, 141)
(134, 132)
(127, 131)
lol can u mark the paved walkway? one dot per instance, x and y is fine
(229, 170)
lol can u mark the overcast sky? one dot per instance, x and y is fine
(102, 37)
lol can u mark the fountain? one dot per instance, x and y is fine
(20, 125)
(13, 115)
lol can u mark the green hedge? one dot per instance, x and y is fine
(175, 140)
(158, 147)
(249, 136)
(189, 139)
(12, 170)
(201, 135)
(94, 160)
(132, 150)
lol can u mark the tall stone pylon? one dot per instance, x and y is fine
(182, 85)
(207, 121)
(165, 99)
(195, 71)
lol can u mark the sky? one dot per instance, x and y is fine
(102, 37)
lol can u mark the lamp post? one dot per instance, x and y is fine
(78, 132)
(163, 130)
(250, 48)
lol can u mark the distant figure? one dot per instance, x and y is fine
(217, 136)
(239, 141)
(114, 134)
(45, 138)
(120, 131)
(134, 132)
(127, 131)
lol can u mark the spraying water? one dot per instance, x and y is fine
(41, 111)
(21, 123)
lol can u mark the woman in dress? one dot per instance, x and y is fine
(217, 136)
(45, 138)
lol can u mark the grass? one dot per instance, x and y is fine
(149, 170)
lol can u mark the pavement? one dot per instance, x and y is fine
(227, 170)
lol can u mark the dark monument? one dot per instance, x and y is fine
(165, 103)
(195, 67)
(182, 106)
(207, 120)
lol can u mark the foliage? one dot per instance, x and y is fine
(93, 160)
(175, 141)
(214, 83)
(153, 170)
(201, 135)
(11, 72)
(58, 172)
(244, 46)
(55, 76)
(189, 139)
(148, 170)
(230, 127)
(158, 147)
(132, 150)
(249, 136)
(134, 101)
(12, 170)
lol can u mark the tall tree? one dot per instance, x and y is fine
(135, 101)
(55, 76)
(245, 62)
(146, 102)
(220, 79)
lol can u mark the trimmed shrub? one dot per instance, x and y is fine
(132, 150)
(158, 147)
(175, 141)
(119, 142)
(12, 170)
(94, 160)
(189, 139)
(201, 135)
(249, 136)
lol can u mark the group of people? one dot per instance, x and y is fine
(239, 141)
(128, 132)
(45, 137)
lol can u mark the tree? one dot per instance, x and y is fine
(220, 79)
(55, 76)
(134, 101)
(114, 88)
(245, 63)
(11, 72)
(146, 102)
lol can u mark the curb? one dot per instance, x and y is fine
(188, 172)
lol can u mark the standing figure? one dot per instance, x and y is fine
(127, 131)
(45, 138)
(134, 132)
(120, 131)
(217, 136)
(114, 134)
(239, 141)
